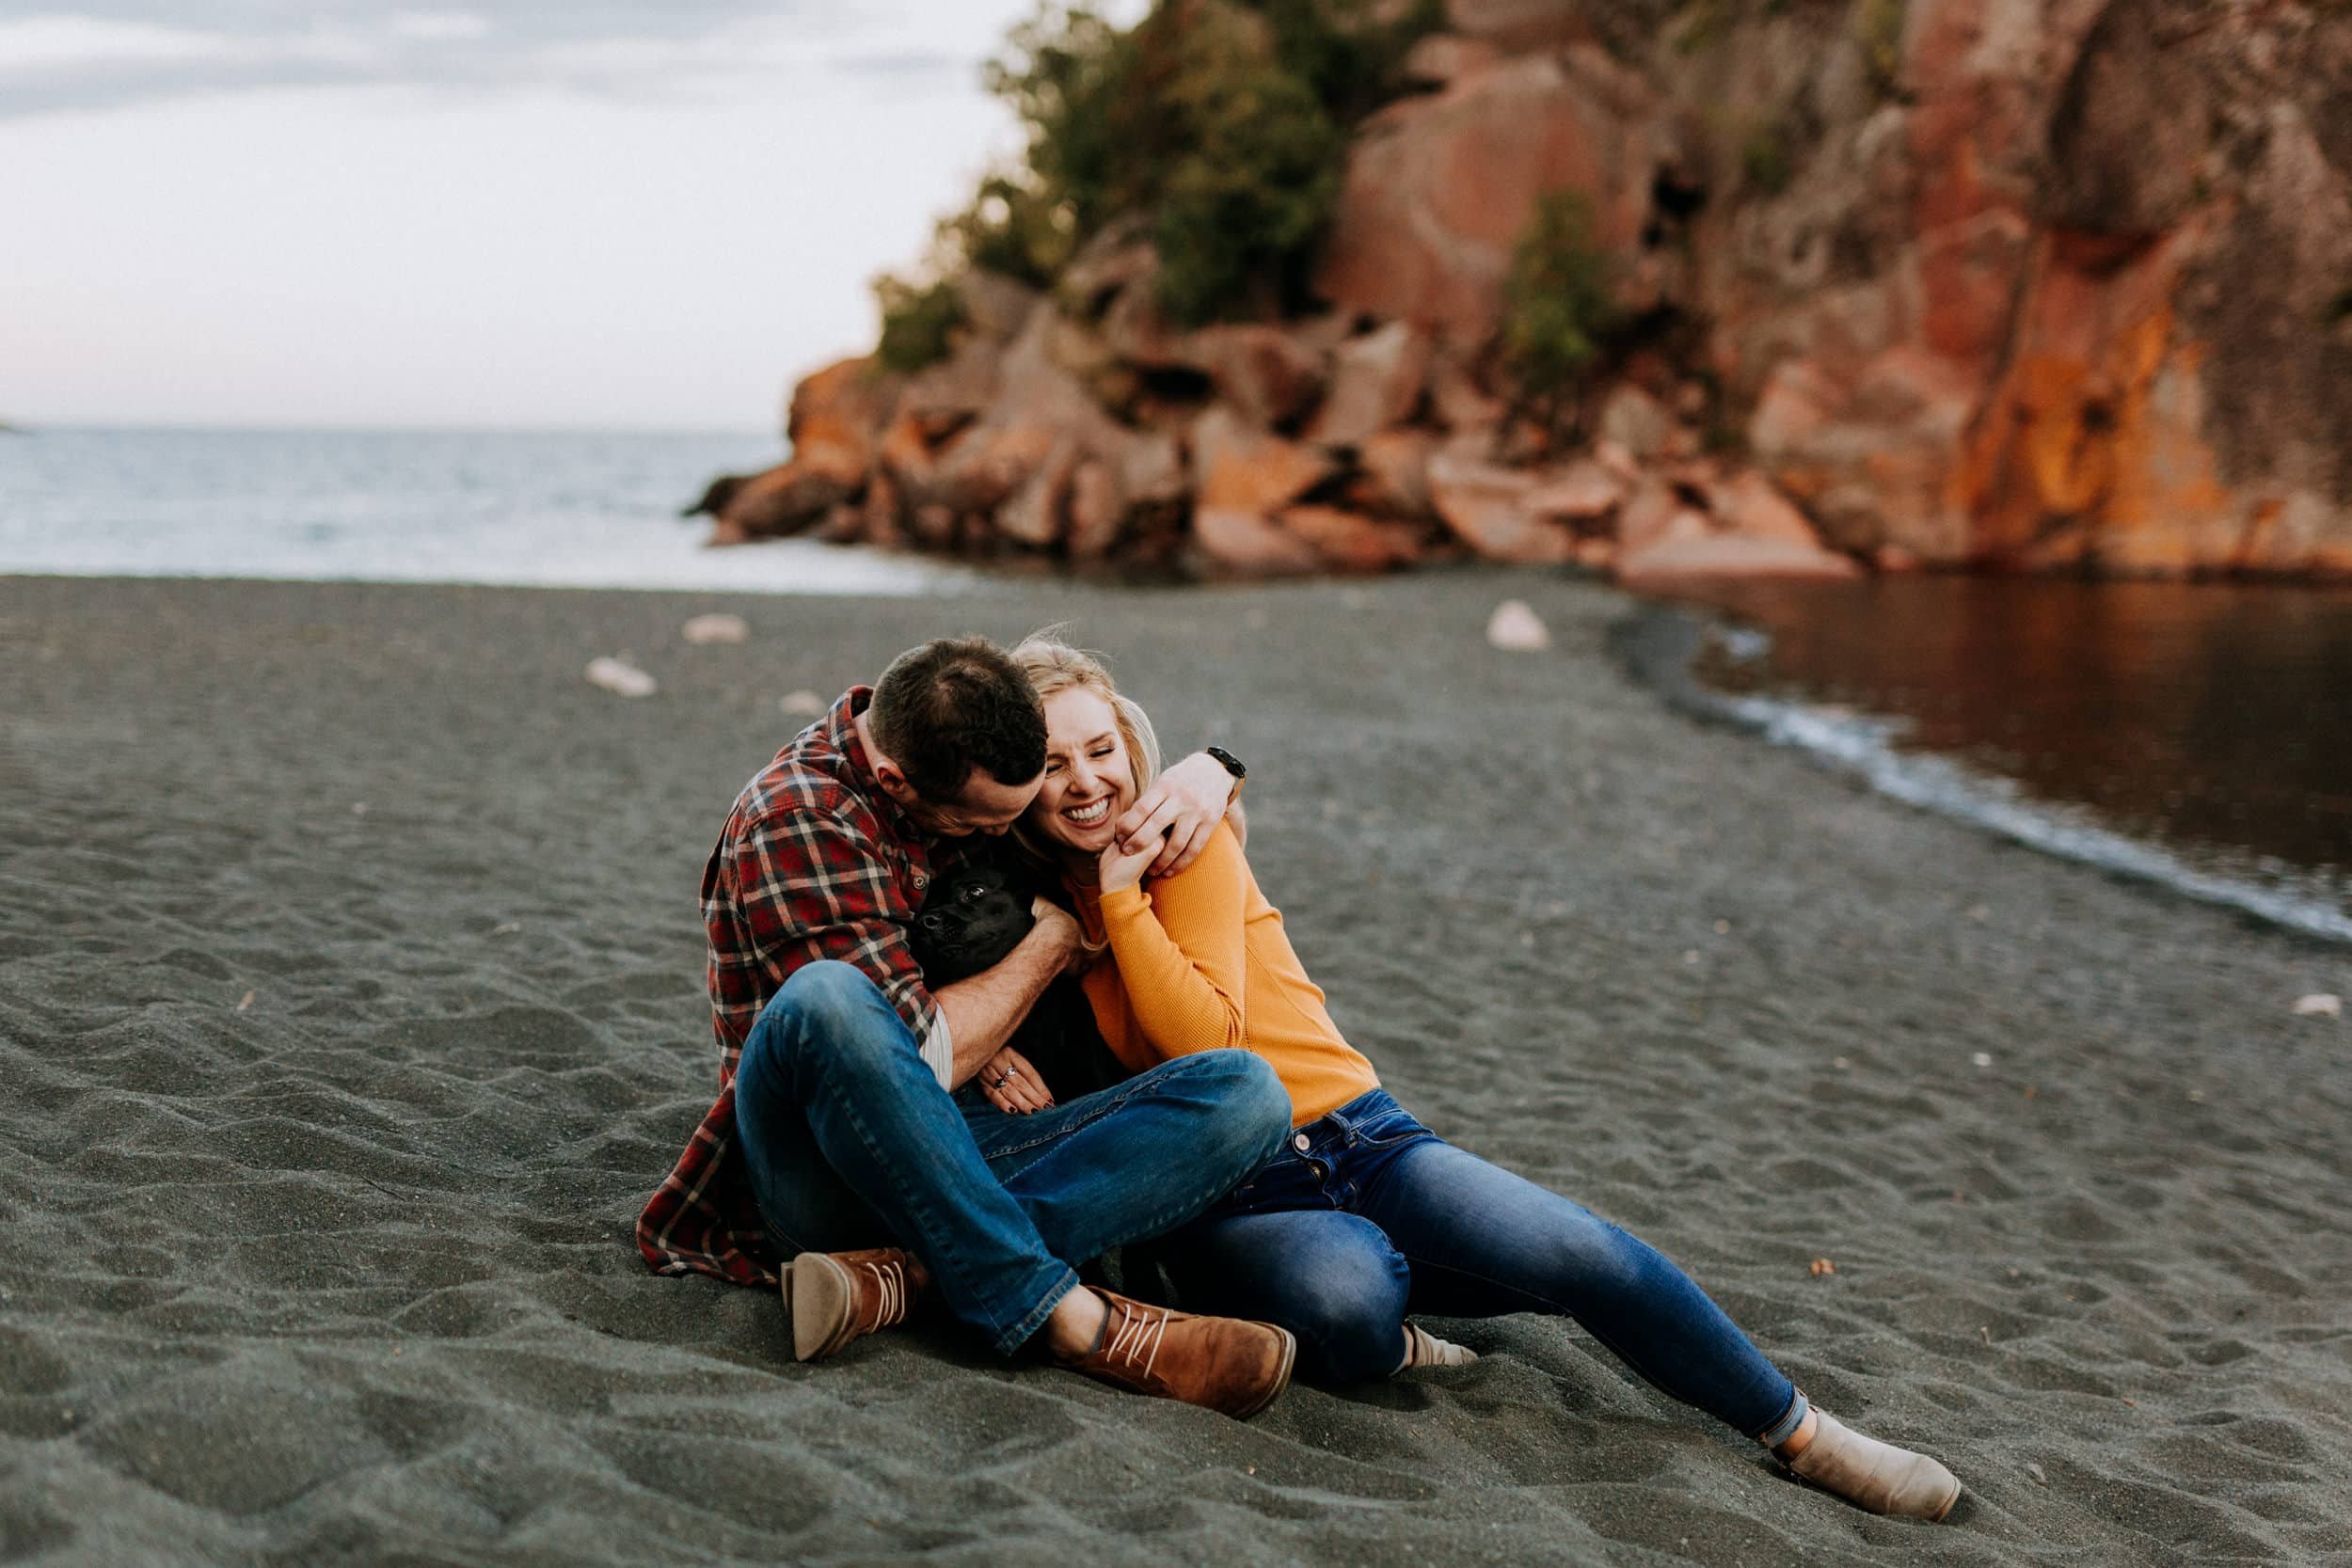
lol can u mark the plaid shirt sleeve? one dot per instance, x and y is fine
(784, 889)
(811, 887)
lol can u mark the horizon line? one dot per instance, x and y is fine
(25, 427)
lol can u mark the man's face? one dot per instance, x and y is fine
(984, 807)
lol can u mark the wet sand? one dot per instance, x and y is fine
(350, 1004)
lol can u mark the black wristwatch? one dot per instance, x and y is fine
(1230, 763)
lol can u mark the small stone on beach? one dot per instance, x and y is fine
(2319, 1004)
(1821, 1266)
(625, 680)
(716, 628)
(245, 1002)
(803, 702)
(1982, 1058)
(1516, 628)
(2034, 1470)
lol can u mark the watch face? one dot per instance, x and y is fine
(1231, 762)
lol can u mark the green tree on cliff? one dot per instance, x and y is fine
(1558, 310)
(1222, 123)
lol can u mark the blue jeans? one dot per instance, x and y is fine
(1366, 1215)
(849, 1142)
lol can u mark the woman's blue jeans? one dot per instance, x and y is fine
(1366, 1215)
(849, 1142)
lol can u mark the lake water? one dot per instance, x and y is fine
(536, 509)
(2198, 734)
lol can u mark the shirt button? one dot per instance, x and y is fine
(922, 883)
(1299, 1143)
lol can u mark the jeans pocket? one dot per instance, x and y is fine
(1389, 1126)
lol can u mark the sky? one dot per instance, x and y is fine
(522, 213)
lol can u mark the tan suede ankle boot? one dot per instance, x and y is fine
(1871, 1475)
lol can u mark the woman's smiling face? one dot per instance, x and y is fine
(1089, 779)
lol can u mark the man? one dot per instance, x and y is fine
(835, 1129)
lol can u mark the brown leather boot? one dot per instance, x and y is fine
(1228, 1364)
(835, 1297)
(1871, 1475)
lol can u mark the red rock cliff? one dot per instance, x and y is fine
(2015, 284)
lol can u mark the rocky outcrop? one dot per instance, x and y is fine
(2046, 284)
(2012, 284)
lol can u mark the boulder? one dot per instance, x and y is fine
(1748, 505)
(780, 502)
(1375, 382)
(1350, 542)
(1486, 506)
(995, 308)
(1097, 510)
(1755, 532)
(1438, 190)
(1239, 470)
(1035, 513)
(1396, 465)
(1582, 491)
(1265, 373)
(942, 399)
(1636, 421)
(1690, 550)
(1650, 511)
(1242, 543)
(836, 414)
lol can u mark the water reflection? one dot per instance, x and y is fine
(2216, 718)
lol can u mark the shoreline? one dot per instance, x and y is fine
(1661, 641)
(350, 976)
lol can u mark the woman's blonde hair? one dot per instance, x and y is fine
(1053, 666)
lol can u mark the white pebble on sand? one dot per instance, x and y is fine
(716, 628)
(803, 702)
(1516, 628)
(1982, 1058)
(616, 677)
(2319, 1004)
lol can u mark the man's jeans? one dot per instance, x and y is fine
(1366, 1215)
(850, 1142)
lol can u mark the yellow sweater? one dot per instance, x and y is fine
(1200, 962)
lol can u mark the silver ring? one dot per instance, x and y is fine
(1005, 1077)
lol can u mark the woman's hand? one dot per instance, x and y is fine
(1121, 868)
(1011, 1085)
(1177, 813)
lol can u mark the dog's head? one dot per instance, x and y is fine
(968, 924)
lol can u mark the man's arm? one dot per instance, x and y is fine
(983, 1011)
(1183, 804)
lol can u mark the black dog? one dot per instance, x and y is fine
(968, 924)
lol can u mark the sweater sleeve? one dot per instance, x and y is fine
(1181, 951)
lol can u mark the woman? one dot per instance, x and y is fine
(1366, 1215)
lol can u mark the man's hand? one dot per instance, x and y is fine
(1177, 813)
(1013, 1085)
(1060, 925)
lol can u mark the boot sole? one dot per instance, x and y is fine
(817, 1293)
(1282, 1376)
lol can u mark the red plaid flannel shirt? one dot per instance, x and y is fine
(815, 862)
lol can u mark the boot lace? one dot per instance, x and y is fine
(890, 1286)
(1140, 1331)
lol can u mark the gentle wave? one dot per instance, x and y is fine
(537, 510)
(1660, 643)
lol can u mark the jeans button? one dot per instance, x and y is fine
(1299, 1143)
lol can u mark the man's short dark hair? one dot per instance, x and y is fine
(953, 705)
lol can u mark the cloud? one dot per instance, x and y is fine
(112, 54)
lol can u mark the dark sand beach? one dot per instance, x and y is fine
(351, 1004)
